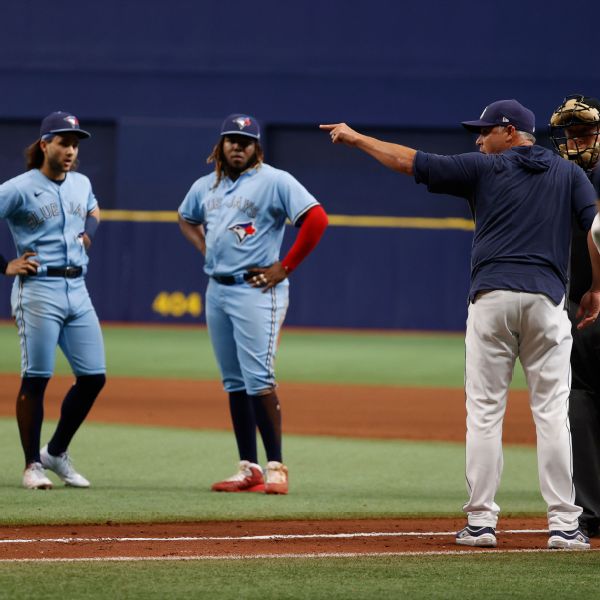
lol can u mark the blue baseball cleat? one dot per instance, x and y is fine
(568, 540)
(482, 537)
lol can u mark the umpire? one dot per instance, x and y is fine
(575, 130)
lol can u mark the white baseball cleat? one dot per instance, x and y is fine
(34, 477)
(568, 540)
(276, 478)
(63, 467)
(480, 537)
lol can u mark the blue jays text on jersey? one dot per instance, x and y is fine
(244, 219)
(46, 217)
(240, 203)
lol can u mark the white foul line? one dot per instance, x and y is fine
(251, 538)
(293, 555)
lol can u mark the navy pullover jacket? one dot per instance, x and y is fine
(523, 202)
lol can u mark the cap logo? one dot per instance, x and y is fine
(505, 120)
(72, 121)
(242, 122)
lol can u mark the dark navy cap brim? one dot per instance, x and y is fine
(238, 132)
(476, 126)
(80, 133)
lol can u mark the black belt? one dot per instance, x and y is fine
(231, 279)
(69, 272)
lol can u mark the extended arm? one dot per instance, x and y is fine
(194, 234)
(393, 156)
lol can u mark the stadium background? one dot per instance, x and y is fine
(153, 81)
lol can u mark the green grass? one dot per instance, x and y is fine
(500, 576)
(153, 474)
(396, 359)
(158, 474)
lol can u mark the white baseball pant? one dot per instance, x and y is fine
(501, 326)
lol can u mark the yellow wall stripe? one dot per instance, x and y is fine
(140, 216)
(170, 216)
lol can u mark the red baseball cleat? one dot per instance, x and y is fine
(249, 478)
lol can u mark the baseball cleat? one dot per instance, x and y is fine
(249, 478)
(276, 478)
(34, 477)
(568, 540)
(482, 537)
(63, 467)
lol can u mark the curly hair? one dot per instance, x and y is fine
(34, 157)
(218, 157)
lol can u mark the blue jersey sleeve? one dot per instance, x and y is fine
(192, 208)
(456, 175)
(295, 198)
(10, 199)
(92, 203)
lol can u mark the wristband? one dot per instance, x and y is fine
(91, 224)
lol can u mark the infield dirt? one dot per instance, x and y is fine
(381, 412)
(312, 409)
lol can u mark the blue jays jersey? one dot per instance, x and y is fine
(46, 217)
(244, 220)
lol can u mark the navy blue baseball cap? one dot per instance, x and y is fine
(241, 125)
(504, 112)
(62, 122)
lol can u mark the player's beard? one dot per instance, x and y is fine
(237, 171)
(57, 166)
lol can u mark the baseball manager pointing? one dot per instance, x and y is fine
(523, 198)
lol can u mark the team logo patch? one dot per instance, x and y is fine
(72, 121)
(243, 230)
(242, 122)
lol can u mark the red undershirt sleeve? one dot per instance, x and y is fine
(311, 229)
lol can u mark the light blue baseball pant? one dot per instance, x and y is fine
(51, 311)
(244, 325)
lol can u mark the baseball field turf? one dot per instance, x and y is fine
(156, 474)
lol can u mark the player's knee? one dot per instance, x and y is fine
(33, 386)
(91, 384)
(263, 392)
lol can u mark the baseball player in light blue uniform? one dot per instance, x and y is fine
(52, 214)
(236, 217)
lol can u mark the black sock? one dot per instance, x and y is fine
(268, 419)
(30, 414)
(74, 410)
(244, 425)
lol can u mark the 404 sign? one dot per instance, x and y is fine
(177, 304)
